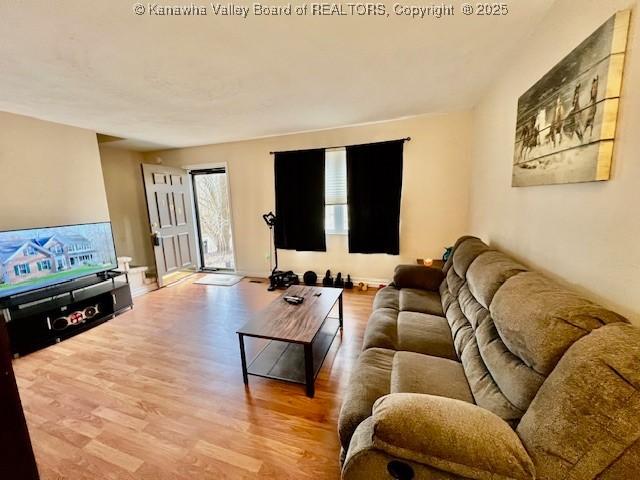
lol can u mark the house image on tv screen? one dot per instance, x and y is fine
(22, 260)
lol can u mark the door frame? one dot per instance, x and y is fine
(212, 167)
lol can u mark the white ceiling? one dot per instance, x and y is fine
(182, 81)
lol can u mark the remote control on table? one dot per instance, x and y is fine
(293, 299)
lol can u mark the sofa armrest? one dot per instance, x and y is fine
(417, 276)
(450, 435)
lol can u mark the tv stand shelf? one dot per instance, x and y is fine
(50, 315)
(60, 289)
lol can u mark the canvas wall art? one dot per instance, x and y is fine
(566, 122)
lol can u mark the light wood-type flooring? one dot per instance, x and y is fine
(157, 393)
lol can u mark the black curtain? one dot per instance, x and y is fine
(374, 187)
(299, 179)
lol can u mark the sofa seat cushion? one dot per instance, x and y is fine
(370, 380)
(409, 331)
(416, 373)
(422, 301)
(387, 297)
(382, 330)
(426, 334)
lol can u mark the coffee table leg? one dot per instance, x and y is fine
(340, 317)
(243, 357)
(308, 370)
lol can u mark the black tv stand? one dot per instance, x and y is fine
(46, 316)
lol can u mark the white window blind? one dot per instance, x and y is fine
(335, 177)
(336, 221)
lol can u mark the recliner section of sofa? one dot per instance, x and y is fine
(500, 335)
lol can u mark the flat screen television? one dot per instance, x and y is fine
(41, 257)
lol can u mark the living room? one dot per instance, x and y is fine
(319, 240)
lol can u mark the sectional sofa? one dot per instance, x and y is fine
(488, 370)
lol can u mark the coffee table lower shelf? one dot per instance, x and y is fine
(294, 362)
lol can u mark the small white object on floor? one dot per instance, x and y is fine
(219, 279)
(139, 282)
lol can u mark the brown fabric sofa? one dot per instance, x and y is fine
(488, 370)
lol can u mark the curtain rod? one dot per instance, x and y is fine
(405, 139)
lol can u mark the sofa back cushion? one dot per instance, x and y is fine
(539, 320)
(598, 382)
(510, 326)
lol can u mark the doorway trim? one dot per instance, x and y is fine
(212, 167)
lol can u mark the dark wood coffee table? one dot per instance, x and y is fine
(299, 336)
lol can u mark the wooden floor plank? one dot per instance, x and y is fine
(113, 455)
(226, 455)
(157, 393)
(120, 418)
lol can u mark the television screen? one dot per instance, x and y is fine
(41, 257)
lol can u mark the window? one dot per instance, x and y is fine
(335, 192)
(44, 265)
(22, 269)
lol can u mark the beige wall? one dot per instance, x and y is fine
(584, 234)
(434, 196)
(50, 174)
(127, 204)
